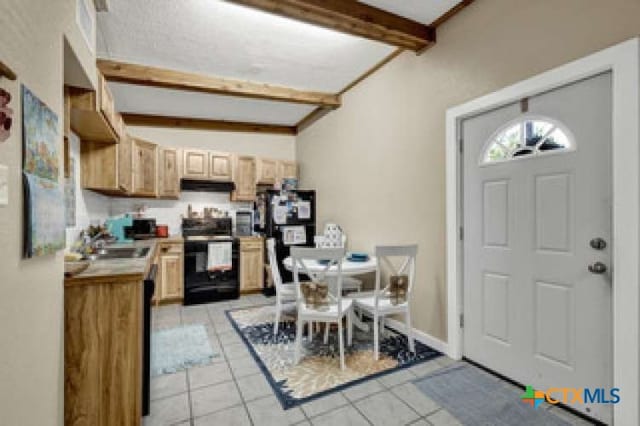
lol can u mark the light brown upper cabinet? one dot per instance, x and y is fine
(220, 166)
(144, 166)
(244, 176)
(99, 166)
(266, 170)
(106, 168)
(195, 164)
(125, 176)
(287, 170)
(168, 173)
(93, 117)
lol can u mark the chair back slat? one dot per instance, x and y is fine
(384, 254)
(303, 256)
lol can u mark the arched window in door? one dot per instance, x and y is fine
(527, 137)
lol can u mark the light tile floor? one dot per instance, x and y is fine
(232, 390)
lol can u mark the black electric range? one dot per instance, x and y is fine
(211, 260)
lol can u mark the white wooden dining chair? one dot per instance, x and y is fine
(285, 292)
(348, 283)
(380, 303)
(337, 307)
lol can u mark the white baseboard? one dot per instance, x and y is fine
(421, 336)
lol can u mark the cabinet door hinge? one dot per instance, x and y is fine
(461, 145)
(461, 231)
(461, 320)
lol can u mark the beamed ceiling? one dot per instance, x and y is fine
(268, 62)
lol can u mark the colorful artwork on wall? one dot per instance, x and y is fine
(45, 223)
(44, 197)
(41, 139)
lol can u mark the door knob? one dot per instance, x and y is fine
(598, 244)
(598, 268)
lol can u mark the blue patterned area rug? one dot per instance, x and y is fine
(176, 349)
(318, 373)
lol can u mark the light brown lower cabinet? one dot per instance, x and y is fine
(251, 264)
(170, 277)
(103, 352)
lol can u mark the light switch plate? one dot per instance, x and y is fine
(4, 185)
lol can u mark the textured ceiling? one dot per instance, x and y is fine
(424, 11)
(223, 39)
(178, 103)
(219, 38)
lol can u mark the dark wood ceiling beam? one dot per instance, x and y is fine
(352, 17)
(170, 79)
(205, 124)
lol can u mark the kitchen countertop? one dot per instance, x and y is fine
(170, 239)
(122, 268)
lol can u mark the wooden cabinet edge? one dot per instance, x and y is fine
(86, 118)
(99, 339)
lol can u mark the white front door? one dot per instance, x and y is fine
(537, 239)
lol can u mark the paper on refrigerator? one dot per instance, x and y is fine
(280, 214)
(304, 210)
(292, 235)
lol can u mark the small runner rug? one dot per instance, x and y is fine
(475, 397)
(318, 372)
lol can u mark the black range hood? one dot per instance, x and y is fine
(206, 185)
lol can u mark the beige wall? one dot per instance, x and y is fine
(31, 292)
(378, 162)
(261, 144)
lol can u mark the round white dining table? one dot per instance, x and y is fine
(348, 267)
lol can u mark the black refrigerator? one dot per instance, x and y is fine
(290, 218)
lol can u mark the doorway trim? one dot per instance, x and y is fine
(623, 60)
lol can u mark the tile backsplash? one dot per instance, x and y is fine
(170, 212)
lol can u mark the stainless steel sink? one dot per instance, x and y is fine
(122, 253)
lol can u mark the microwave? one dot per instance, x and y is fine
(141, 229)
(244, 223)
